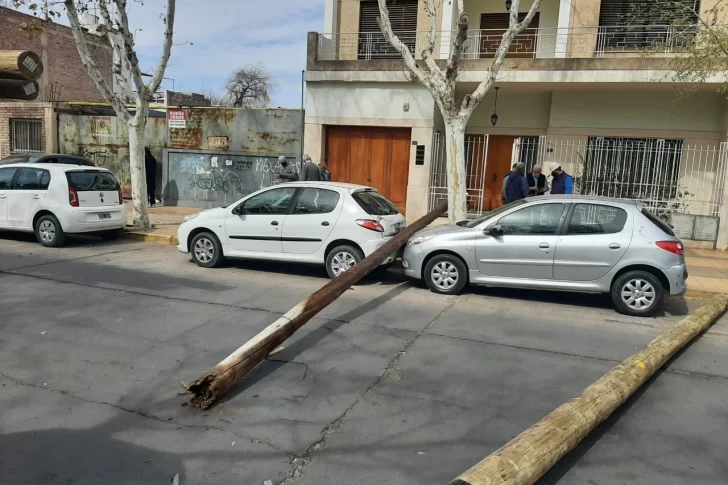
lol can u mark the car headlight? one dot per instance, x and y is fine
(418, 240)
(189, 217)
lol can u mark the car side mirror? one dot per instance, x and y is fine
(237, 210)
(494, 231)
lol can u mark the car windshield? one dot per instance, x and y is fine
(491, 214)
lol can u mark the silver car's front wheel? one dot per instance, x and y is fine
(446, 274)
(639, 293)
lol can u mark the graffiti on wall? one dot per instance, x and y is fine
(98, 155)
(213, 180)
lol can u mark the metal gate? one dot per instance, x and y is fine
(476, 151)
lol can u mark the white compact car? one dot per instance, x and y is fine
(54, 199)
(329, 223)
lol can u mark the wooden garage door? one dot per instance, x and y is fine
(378, 157)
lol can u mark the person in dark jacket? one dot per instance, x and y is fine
(537, 181)
(287, 172)
(561, 183)
(310, 172)
(150, 169)
(504, 199)
(517, 186)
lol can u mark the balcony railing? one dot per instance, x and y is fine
(541, 43)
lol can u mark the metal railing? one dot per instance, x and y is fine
(539, 43)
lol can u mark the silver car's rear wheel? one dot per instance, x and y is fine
(639, 293)
(446, 274)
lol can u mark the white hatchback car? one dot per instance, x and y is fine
(329, 223)
(53, 200)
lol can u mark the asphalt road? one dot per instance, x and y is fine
(390, 385)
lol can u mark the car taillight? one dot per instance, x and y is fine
(73, 197)
(370, 224)
(673, 247)
(121, 197)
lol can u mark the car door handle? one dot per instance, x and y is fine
(274, 223)
(325, 223)
(36, 196)
(614, 246)
(544, 245)
(3, 196)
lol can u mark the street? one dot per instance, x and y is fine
(390, 384)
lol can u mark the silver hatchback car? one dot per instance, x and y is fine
(565, 243)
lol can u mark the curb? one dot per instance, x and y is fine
(150, 237)
(701, 294)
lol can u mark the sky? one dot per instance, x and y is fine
(215, 37)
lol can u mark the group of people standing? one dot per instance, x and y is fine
(519, 185)
(310, 171)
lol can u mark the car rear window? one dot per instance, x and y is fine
(374, 203)
(658, 222)
(92, 181)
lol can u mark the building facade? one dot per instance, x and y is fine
(579, 87)
(30, 125)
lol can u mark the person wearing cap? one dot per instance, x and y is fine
(517, 186)
(561, 183)
(287, 172)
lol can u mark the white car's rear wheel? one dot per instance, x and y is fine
(49, 232)
(340, 259)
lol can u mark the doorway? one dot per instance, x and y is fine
(373, 156)
(499, 160)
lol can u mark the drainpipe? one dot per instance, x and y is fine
(303, 112)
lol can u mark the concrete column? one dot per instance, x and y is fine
(331, 18)
(564, 21)
(418, 180)
(313, 141)
(722, 242)
(447, 26)
(51, 129)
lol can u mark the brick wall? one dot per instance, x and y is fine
(64, 77)
(9, 111)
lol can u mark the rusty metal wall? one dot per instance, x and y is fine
(97, 134)
(105, 140)
(260, 131)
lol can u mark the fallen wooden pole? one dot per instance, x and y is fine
(213, 384)
(532, 453)
(25, 65)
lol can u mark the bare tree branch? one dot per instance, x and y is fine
(456, 50)
(409, 60)
(428, 51)
(514, 29)
(88, 61)
(158, 74)
(127, 39)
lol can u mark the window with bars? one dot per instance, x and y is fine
(644, 169)
(645, 24)
(26, 135)
(403, 17)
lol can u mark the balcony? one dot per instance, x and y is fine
(538, 43)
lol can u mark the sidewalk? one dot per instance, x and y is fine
(708, 268)
(165, 221)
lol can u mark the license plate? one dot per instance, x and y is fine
(104, 215)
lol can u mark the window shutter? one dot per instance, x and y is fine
(613, 13)
(402, 16)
